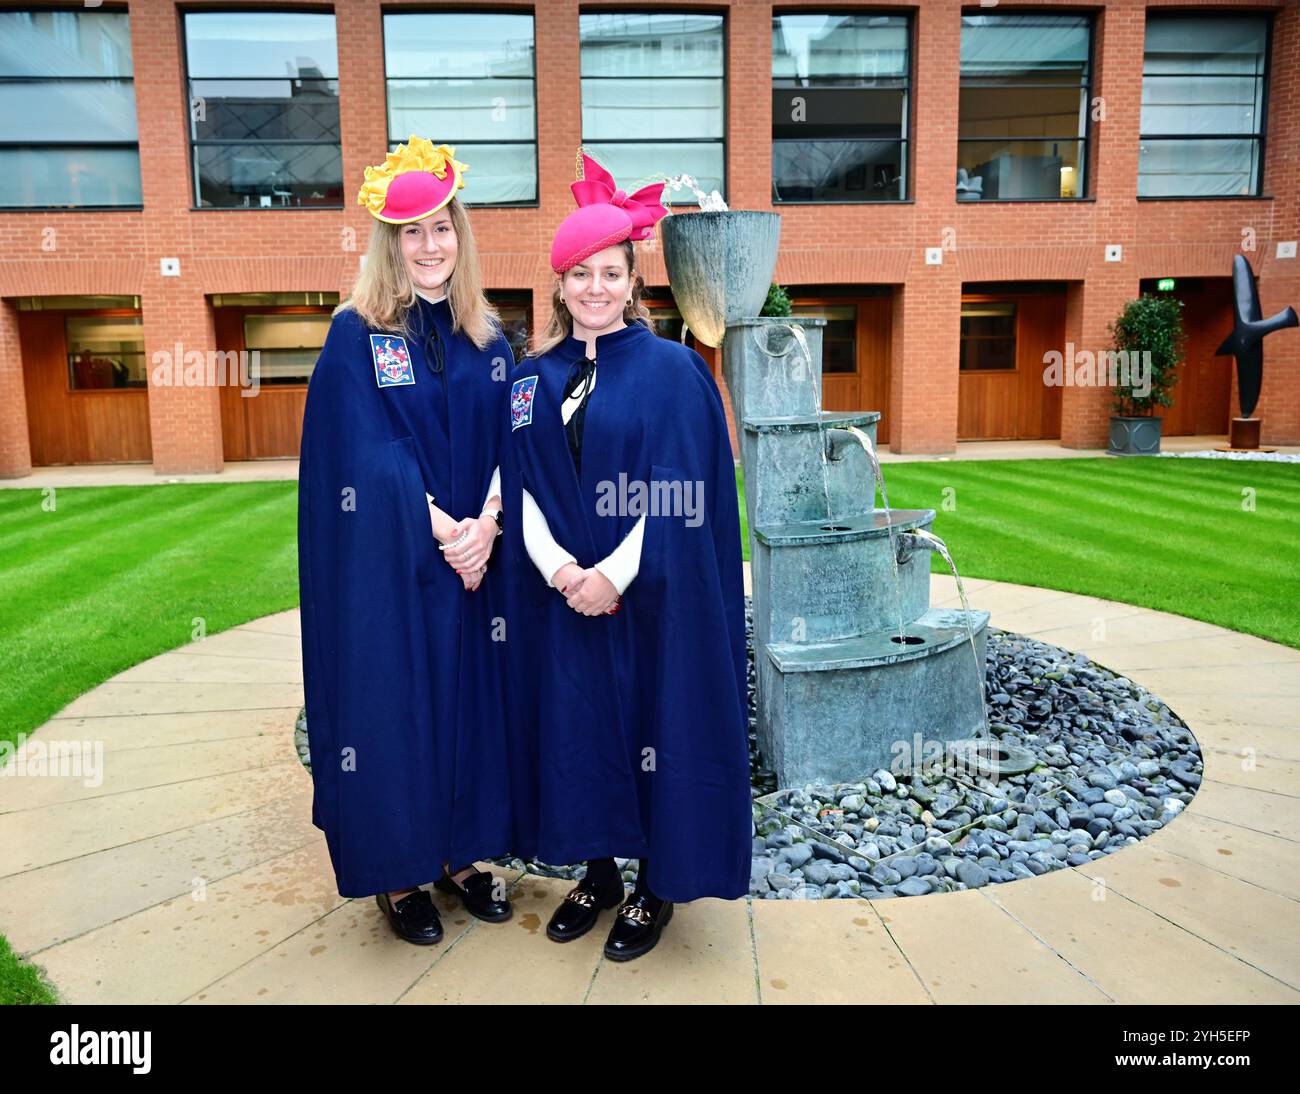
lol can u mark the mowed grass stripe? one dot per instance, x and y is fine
(217, 570)
(72, 508)
(1158, 496)
(1059, 524)
(1277, 487)
(1127, 547)
(1069, 509)
(98, 557)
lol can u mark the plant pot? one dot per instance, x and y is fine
(720, 265)
(1134, 436)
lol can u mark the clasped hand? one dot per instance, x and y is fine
(469, 556)
(588, 592)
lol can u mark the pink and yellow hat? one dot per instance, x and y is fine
(413, 182)
(606, 215)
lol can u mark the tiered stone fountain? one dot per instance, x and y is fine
(855, 670)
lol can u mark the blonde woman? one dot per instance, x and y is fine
(399, 510)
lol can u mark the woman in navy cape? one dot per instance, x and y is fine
(403, 674)
(629, 729)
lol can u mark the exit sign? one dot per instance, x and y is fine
(1165, 284)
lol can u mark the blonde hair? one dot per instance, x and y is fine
(383, 293)
(561, 325)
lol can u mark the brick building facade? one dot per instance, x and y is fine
(876, 250)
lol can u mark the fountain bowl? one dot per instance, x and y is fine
(720, 265)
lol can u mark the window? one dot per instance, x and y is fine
(839, 107)
(988, 336)
(1023, 124)
(264, 109)
(105, 352)
(1203, 80)
(282, 348)
(658, 77)
(67, 110)
(839, 336)
(468, 79)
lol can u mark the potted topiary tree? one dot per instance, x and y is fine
(1149, 335)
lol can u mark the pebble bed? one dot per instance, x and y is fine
(1114, 765)
(1212, 454)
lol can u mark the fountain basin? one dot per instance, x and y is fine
(767, 371)
(828, 580)
(836, 711)
(782, 455)
(720, 265)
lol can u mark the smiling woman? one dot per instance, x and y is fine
(633, 741)
(403, 694)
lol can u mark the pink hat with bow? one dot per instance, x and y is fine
(606, 215)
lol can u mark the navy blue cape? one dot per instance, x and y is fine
(402, 672)
(629, 731)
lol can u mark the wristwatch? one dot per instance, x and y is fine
(496, 515)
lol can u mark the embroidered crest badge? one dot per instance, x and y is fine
(521, 402)
(392, 360)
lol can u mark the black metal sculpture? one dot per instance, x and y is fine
(1246, 342)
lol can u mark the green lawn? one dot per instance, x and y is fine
(115, 575)
(1211, 539)
(112, 576)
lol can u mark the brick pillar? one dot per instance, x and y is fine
(749, 106)
(559, 134)
(1090, 306)
(184, 408)
(184, 420)
(924, 359)
(15, 447)
(925, 351)
(1097, 301)
(1279, 278)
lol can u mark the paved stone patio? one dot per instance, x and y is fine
(203, 794)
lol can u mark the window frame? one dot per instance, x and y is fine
(182, 13)
(1086, 190)
(984, 300)
(385, 12)
(1266, 78)
(654, 9)
(80, 9)
(908, 141)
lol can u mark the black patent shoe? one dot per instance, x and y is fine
(476, 895)
(580, 909)
(413, 918)
(637, 928)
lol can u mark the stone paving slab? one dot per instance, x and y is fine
(202, 792)
(1252, 923)
(1081, 921)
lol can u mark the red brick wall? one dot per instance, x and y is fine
(294, 250)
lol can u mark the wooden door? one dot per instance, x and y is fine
(1203, 395)
(68, 426)
(1014, 403)
(866, 385)
(268, 424)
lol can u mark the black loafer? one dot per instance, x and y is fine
(636, 928)
(580, 909)
(476, 894)
(413, 918)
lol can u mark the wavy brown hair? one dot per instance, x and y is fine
(561, 325)
(383, 293)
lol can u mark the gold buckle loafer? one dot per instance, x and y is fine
(578, 911)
